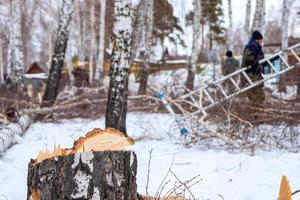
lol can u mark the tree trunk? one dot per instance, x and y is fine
(138, 34)
(116, 108)
(190, 78)
(10, 133)
(57, 62)
(230, 31)
(259, 16)
(100, 60)
(92, 40)
(103, 175)
(248, 17)
(1, 63)
(144, 80)
(15, 62)
(148, 41)
(79, 23)
(195, 47)
(285, 26)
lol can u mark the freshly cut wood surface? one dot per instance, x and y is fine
(285, 192)
(102, 140)
(96, 140)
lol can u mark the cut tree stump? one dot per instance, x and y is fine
(89, 170)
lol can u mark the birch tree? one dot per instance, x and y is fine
(100, 59)
(248, 17)
(80, 24)
(92, 42)
(1, 63)
(116, 108)
(285, 24)
(259, 16)
(58, 57)
(149, 6)
(15, 61)
(195, 45)
(230, 31)
(138, 34)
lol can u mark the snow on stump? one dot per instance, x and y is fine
(97, 167)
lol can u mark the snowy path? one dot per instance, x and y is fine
(234, 176)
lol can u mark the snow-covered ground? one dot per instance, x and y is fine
(231, 176)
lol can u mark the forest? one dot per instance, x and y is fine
(149, 99)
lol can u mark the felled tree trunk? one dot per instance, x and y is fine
(9, 133)
(103, 175)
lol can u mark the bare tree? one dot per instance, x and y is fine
(259, 16)
(248, 16)
(230, 14)
(230, 31)
(100, 59)
(80, 22)
(92, 42)
(285, 24)
(138, 34)
(195, 46)
(59, 53)
(15, 61)
(1, 63)
(149, 6)
(116, 108)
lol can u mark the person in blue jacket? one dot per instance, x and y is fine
(252, 54)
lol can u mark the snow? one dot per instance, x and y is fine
(233, 176)
(36, 76)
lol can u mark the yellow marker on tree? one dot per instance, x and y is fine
(285, 189)
(165, 2)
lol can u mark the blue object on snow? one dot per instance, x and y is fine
(160, 95)
(183, 131)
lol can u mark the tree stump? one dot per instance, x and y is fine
(80, 173)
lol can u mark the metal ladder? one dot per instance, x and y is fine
(200, 100)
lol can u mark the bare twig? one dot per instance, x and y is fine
(158, 192)
(184, 184)
(148, 171)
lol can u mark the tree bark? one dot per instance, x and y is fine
(100, 60)
(248, 16)
(116, 108)
(92, 40)
(80, 33)
(106, 175)
(9, 133)
(230, 31)
(59, 53)
(259, 16)
(149, 6)
(15, 61)
(285, 26)
(195, 46)
(138, 34)
(1, 63)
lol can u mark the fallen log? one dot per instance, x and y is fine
(98, 166)
(10, 132)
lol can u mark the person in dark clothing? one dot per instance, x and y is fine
(229, 66)
(252, 55)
